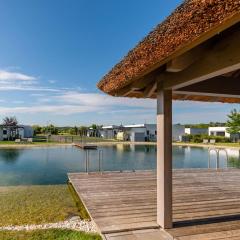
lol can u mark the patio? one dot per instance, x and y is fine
(204, 202)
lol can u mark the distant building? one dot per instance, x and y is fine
(122, 136)
(26, 131)
(196, 131)
(138, 132)
(218, 131)
(109, 132)
(141, 132)
(178, 131)
(91, 132)
(13, 132)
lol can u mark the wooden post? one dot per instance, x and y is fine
(164, 158)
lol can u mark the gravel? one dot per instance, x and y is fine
(74, 223)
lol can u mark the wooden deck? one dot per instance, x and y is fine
(86, 146)
(206, 203)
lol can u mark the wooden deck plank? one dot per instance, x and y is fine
(127, 201)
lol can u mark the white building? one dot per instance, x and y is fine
(178, 131)
(218, 131)
(109, 132)
(23, 131)
(141, 132)
(196, 131)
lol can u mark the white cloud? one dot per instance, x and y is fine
(97, 99)
(51, 109)
(52, 81)
(18, 102)
(37, 94)
(68, 103)
(22, 87)
(15, 76)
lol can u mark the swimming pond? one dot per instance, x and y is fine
(50, 165)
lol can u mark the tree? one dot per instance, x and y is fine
(50, 129)
(10, 121)
(37, 129)
(75, 130)
(11, 124)
(94, 126)
(233, 122)
(83, 130)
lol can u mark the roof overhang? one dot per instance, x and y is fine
(207, 68)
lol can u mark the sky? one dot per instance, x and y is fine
(53, 53)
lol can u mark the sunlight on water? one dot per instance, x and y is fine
(50, 165)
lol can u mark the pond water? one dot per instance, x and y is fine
(50, 165)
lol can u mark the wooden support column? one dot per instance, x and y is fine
(164, 158)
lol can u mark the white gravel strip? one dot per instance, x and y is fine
(74, 223)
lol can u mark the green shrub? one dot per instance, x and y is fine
(198, 138)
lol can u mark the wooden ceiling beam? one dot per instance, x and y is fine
(210, 94)
(218, 85)
(222, 58)
(185, 60)
(150, 90)
(143, 84)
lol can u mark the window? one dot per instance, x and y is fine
(221, 134)
(4, 132)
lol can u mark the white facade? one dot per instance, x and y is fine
(177, 132)
(141, 132)
(109, 132)
(1, 134)
(218, 131)
(24, 131)
(196, 131)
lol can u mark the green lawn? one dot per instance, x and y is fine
(216, 144)
(228, 144)
(27, 144)
(53, 234)
(35, 204)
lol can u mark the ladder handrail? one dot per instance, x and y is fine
(217, 150)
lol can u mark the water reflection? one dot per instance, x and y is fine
(50, 165)
(234, 162)
(10, 156)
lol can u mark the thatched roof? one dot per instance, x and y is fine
(190, 23)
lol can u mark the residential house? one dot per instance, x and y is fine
(196, 131)
(178, 131)
(218, 131)
(13, 132)
(141, 132)
(109, 132)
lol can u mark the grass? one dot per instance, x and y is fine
(216, 144)
(53, 234)
(33, 143)
(228, 144)
(36, 204)
(82, 210)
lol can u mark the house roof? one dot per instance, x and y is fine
(192, 23)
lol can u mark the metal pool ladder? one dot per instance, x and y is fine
(217, 151)
(100, 160)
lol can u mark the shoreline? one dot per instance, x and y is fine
(223, 146)
(33, 145)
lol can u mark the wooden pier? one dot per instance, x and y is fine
(85, 146)
(206, 204)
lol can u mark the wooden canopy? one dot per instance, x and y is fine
(195, 53)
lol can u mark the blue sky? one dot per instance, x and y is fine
(54, 52)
